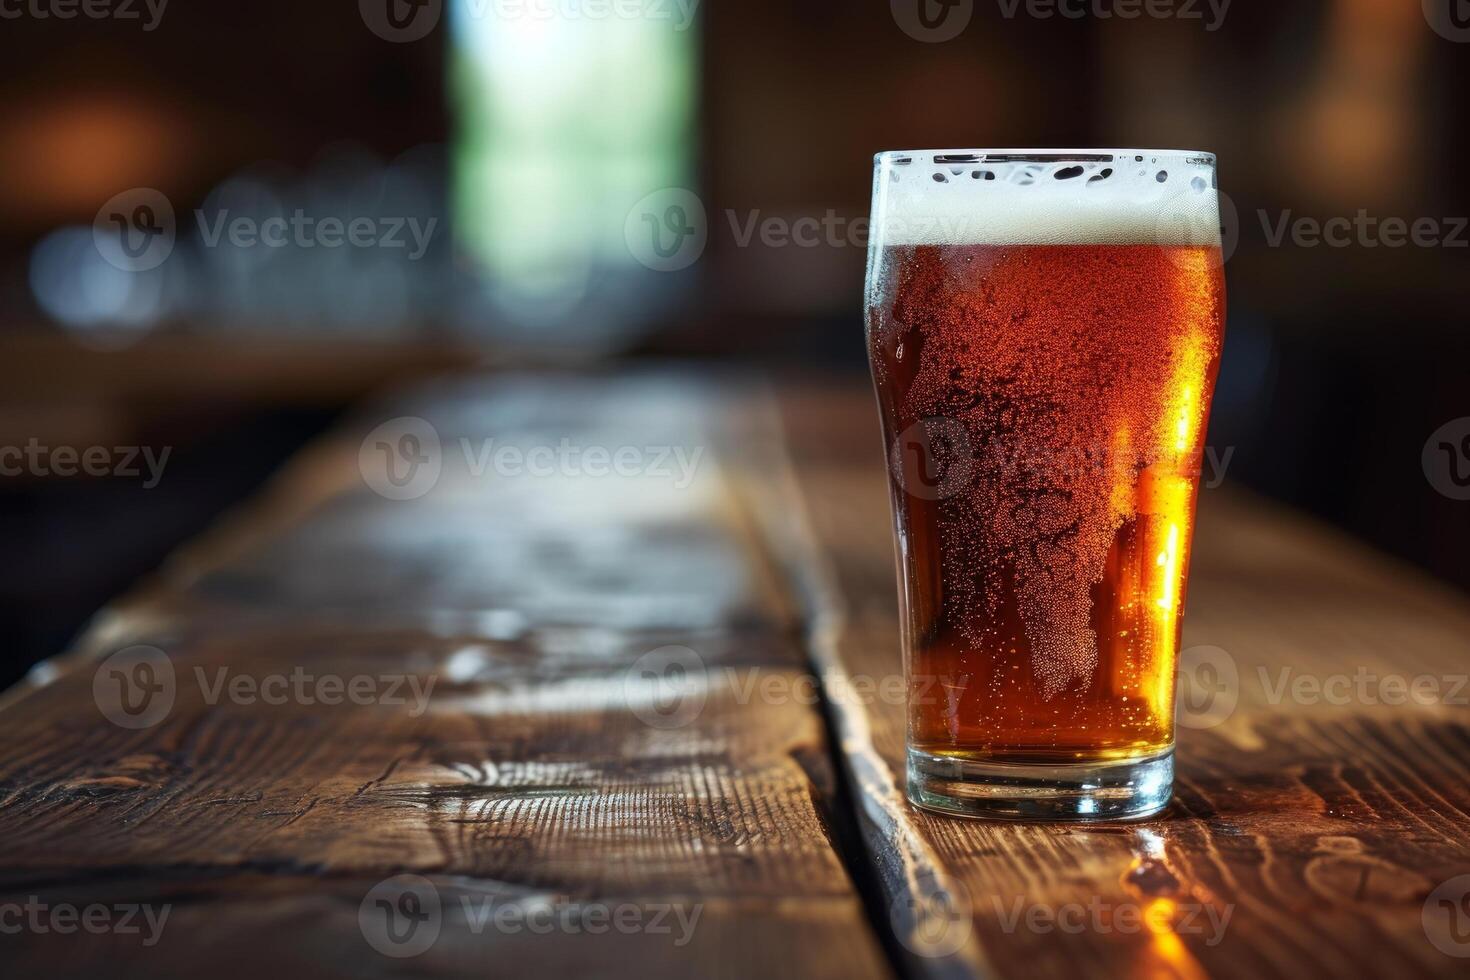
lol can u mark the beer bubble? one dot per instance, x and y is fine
(1027, 419)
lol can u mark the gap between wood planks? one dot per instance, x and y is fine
(898, 877)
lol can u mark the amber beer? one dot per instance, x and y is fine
(1044, 330)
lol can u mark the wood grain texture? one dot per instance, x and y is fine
(558, 773)
(1320, 824)
(552, 769)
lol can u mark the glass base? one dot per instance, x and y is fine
(1128, 789)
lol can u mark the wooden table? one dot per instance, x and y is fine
(638, 712)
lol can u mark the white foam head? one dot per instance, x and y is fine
(1045, 197)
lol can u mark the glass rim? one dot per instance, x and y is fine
(1039, 155)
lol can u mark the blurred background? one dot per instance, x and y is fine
(223, 224)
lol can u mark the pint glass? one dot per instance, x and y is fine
(1044, 329)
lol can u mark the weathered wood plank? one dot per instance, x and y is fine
(538, 760)
(529, 779)
(1322, 829)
